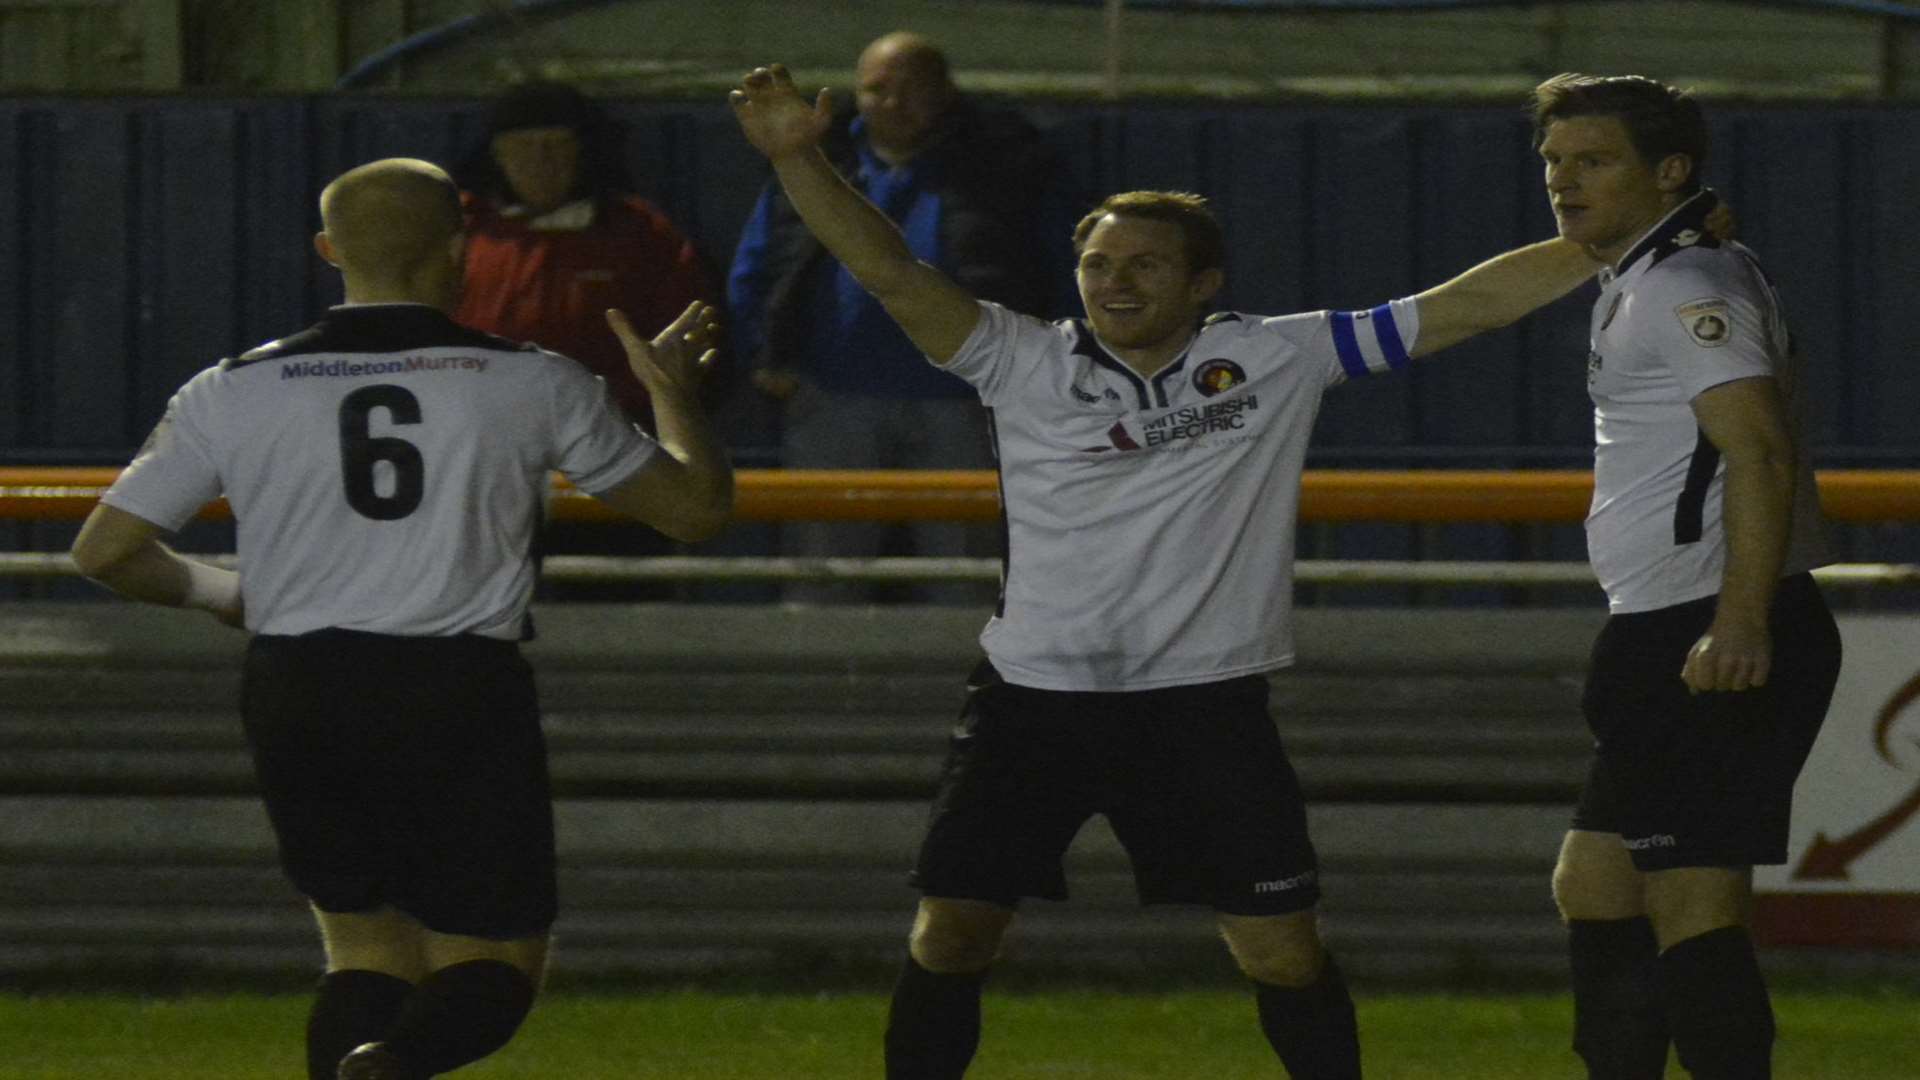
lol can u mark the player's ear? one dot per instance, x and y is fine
(457, 250)
(324, 248)
(1203, 285)
(1673, 172)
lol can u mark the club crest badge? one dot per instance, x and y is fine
(1217, 377)
(1709, 322)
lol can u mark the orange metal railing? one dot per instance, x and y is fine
(1525, 496)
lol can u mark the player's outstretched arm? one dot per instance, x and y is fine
(935, 313)
(1500, 291)
(687, 491)
(123, 552)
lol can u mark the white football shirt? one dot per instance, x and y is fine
(1150, 521)
(1684, 313)
(387, 469)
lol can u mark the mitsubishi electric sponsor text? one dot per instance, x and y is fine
(1193, 421)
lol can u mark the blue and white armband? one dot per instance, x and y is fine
(1376, 340)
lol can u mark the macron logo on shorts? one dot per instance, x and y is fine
(1286, 884)
(1642, 843)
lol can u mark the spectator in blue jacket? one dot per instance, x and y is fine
(977, 194)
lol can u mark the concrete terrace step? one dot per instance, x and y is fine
(1351, 887)
(1065, 924)
(747, 690)
(1347, 759)
(866, 640)
(1045, 939)
(742, 790)
(823, 834)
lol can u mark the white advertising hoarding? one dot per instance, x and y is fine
(1852, 876)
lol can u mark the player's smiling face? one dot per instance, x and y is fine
(1141, 298)
(1604, 195)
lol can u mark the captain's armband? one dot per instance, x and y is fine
(1376, 340)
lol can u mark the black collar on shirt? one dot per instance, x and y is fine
(374, 328)
(1684, 226)
(1087, 345)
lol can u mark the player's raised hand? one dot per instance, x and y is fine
(773, 115)
(675, 358)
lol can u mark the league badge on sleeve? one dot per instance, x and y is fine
(1708, 321)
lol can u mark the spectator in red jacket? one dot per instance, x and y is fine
(553, 241)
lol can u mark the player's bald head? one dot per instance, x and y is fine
(386, 218)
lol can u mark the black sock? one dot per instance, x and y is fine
(1717, 1005)
(933, 1025)
(1312, 1027)
(459, 1014)
(1619, 1027)
(352, 1007)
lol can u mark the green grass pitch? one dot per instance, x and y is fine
(1861, 1034)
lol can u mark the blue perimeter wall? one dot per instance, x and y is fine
(141, 239)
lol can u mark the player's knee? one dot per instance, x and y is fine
(1691, 901)
(1284, 966)
(1582, 895)
(386, 941)
(1594, 879)
(1277, 952)
(401, 964)
(950, 950)
(1568, 892)
(528, 954)
(957, 941)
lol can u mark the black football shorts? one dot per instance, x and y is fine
(406, 771)
(1192, 778)
(1704, 779)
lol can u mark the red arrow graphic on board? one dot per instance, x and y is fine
(1883, 725)
(1828, 860)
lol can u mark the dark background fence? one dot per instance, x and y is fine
(144, 238)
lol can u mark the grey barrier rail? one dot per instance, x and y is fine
(1356, 572)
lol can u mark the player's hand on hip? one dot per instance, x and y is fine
(675, 358)
(1731, 655)
(774, 117)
